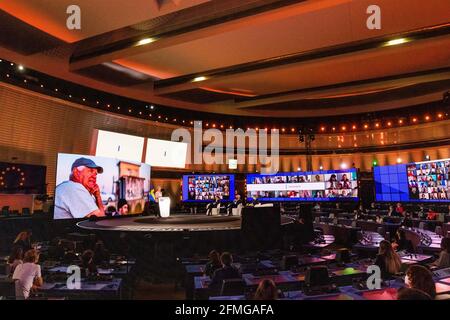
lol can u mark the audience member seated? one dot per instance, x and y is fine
(267, 290)
(412, 294)
(87, 263)
(226, 272)
(420, 278)
(379, 219)
(391, 211)
(70, 257)
(357, 214)
(317, 207)
(101, 255)
(422, 213)
(431, 215)
(444, 256)
(388, 260)
(23, 240)
(213, 264)
(28, 275)
(14, 259)
(400, 210)
(401, 243)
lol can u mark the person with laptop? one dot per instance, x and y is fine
(28, 275)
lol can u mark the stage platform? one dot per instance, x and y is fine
(176, 223)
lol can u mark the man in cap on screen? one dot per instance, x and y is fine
(79, 197)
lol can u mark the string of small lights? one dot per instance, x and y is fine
(18, 74)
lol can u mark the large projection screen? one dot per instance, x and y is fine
(164, 153)
(119, 146)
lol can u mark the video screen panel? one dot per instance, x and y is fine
(122, 186)
(426, 181)
(119, 146)
(165, 153)
(328, 185)
(205, 188)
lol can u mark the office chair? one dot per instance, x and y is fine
(232, 287)
(287, 262)
(7, 288)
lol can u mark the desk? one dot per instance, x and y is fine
(89, 289)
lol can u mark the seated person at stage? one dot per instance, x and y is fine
(401, 243)
(267, 290)
(28, 275)
(23, 240)
(255, 201)
(87, 263)
(379, 219)
(101, 255)
(14, 259)
(123, 207)
(412, 294)
(444, 256)
(431, 215)
(420, 278)
(212, 205)
(213, 264)
(388, 260)
(227, 271)
(236, 202)
(80, 196)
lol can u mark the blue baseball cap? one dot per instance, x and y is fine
(87, 163)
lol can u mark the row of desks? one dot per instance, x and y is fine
(388, 292)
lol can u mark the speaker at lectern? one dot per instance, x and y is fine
(164, 207)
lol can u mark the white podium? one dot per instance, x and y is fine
(164, 207)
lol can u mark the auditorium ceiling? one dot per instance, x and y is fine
(258, 57)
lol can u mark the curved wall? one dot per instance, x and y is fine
(35, 127)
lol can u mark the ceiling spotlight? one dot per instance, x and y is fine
(414, 119)
(400, 121)
(395, 42)
(152, 107)
(366, 126)
(427, 157)
(354, 127)
(389, 124)
(343, 165)
(145, 41)
(198, 79)
(427, 118)
(20, 67)
(399, 160)
(321, 168)
(439, 115)
(322, 129)
(344, 128)
(299, 169)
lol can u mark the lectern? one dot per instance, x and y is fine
(164, 207)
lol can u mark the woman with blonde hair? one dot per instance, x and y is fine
(388, 260)
(267, 290)
(23, 240)
(28, 275)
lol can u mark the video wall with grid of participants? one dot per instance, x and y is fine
(325, 185)
(426, 181)
(205, 188)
